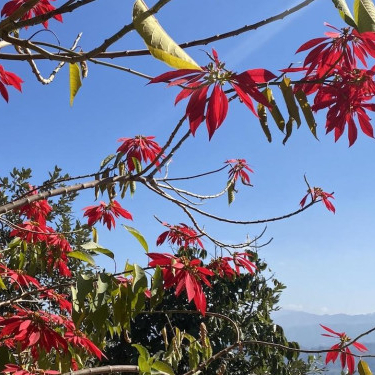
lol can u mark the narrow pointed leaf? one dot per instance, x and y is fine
(307, 112)
(363, 368)
(107, 160)
(230, 192)
(287, 91)
(82, 256)
(74, 80)
(159, 43)
(288, 130)
(138, 236)
(344, 11)
(364, 15)
(262, 113)
(275, 112)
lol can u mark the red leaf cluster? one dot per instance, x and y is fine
(333, 68)
(317, 193)
(236, 170)
(213, 107)
(8, 79)
(140, 147)
(106, 213)
(185, 275)
(42, 7)
(181, 235)
(346, 356)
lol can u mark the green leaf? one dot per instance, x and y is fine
(288, 129)
(231, 192)
(162, 367)
(307, 112)
(74, 80)
(138, 236)
(2, 285)
(287, 91)
(140, 279)
(275, 112)
(96, 248)
(137, 165)
(157, 290)
(363, 368)
(95, 236)
(364, 15)
(82, 256)
(143, 352)
(84, 287)
(159, 43)
(262, 113)
(106, 160)
(344, 11)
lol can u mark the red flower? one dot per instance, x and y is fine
(237, 170)
(214, 107)
(43, 6)
(33, 329)
(106, 213)
(19, 277)
(36, 211)
(60, 299)
(181, 235)
(140, 147)
(346, 356)
(316, 193)
(240, 260)
(222, 267)
(30, 231)
(8, 79)
(12, 368)
(184, 274)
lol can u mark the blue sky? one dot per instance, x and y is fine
(325, 260)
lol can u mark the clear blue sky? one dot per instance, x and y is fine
(325, 260)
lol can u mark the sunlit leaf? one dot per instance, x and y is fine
(138, 236)
(307, 112)
(288, 129)
(262, 113)
(74, 80)
(162, 367)
(364, 15)
(275, 112)
(344, 11)
(363, 368)
(82, 256)
(96, 248)
(287, 91)
(107, 160)
(159, 43)
(231, 194)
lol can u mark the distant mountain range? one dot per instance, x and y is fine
(305, 329)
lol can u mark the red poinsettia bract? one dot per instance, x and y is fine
(317, 193)
(106, 213)
(18, 277)
(184, 274)
(42, 7)
(346, 357)
(8, 79)
(30, 231)
(140, 147)
(181, 235)
(214, 107)
(14, 369)
(36, 211)
(236, 170)
(341, 86)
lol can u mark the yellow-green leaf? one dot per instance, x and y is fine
(2, 285)
(159, 43)
(75, 81)
(307, 112)
(364, 15)
(363, 368)
(344, 12)
(287, 91)
(275, 112)
(95, 236)
(82, 256)
(138, 236)
(288, 129)
(262, 113)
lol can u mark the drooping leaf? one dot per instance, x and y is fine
(82, 256)
(138, 236)
(344, 11)
(106, 160)
(363, 368)
(140, 279)
(288, 129)
(2, 285)
(275, 112)
(159, 43)
(262, 113)
(287, 91)
(157, 290)
(231, 194)
(307, 112)
(364, 15)
(162, 367)
(95, 236)
(74, 80)
(96, 248)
